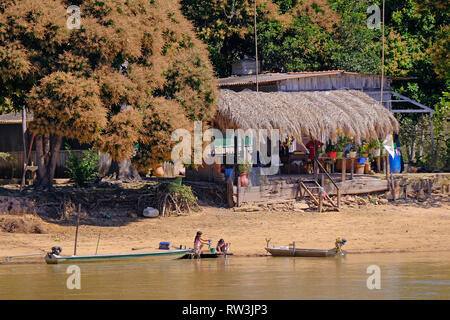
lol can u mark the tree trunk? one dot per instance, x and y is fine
(124, 170)
(412, 155)
(42, 179)
(47, 153)
(127, 171)
(422, 138)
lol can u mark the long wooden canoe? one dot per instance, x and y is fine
(289, 252)
(51, 258)
(205, 255)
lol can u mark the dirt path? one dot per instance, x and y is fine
(382, 228)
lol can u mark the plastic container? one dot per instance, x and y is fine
(362, 160)
(228, 172)
(332, 154)
(164, 245)
(150, 212)
(396, 162)
(212, 250)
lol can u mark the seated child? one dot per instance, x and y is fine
(221, 246)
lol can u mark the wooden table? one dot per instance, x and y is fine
(292, 157)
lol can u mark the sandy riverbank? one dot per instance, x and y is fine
(371, 228)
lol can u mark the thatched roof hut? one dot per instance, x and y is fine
(316, 114)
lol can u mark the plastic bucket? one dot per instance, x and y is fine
(362, 160)
(228, 172)
(212, 250)
(332, 154)
(395, 163)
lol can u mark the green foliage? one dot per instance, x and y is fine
(245, 168)
(5, 156)
(84, 169)
(292, 35)
(356, 48)
(364, 148)
(280, 46)
(175, 197)
(185, 193)
(342, 143)
(331, 147)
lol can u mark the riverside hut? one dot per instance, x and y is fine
(307, 107)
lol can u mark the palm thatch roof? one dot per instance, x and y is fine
(320, 115)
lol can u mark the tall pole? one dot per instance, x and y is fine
(382, 57)
(24, 141)
(256, 50)
(98, 241)
(76, 231)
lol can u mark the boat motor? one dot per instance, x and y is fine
(56, 251)
(50, 257)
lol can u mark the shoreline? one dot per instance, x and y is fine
(369, 229)
(35, 261)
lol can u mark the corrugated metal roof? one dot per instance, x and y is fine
(274, 77)
(14, 118)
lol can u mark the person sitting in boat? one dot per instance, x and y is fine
(199, 242)
(221, 246)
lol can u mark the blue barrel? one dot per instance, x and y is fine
(396, 161)
(228, 172)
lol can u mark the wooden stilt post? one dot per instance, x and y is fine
(320, 202)
(76, 231)
(352, 168)
(338, 198)
(378, 164)
(98, 241)
(344, 169)
(316, 159)
(236, 174)
(387, 167)
(238, 191)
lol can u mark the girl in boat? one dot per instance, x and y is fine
(199, 242)
(221, 246)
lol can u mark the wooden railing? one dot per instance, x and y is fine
(324, 171)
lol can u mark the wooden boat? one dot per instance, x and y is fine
(291, 252)
(205, 255)
(53, 258)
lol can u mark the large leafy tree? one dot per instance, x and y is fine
(333, 34)
(293, 35)
(133, 72)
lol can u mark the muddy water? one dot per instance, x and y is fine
(402, 276)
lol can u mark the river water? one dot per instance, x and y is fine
(402, 276)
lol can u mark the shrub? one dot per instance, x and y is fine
(83, 170)
(175, 197)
